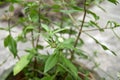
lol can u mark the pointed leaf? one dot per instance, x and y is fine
(96, 17)
(45, 27)
(11, 44)
(68, 44)
(47, 78)
(6, 41)
(59, 30)
(106, 48)
(11, 8)
(80, 53)
(22, 63)
(28, 29)
(40, 47)
(70, 66)
(51, 62)
(114, 1)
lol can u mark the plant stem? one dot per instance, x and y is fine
(9, 28)
(32, 36)
(80, 30)
(39, 26)
(33, 45)
(39, 30)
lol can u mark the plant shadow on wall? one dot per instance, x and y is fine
(55, 22)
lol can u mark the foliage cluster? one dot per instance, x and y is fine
(52, 20)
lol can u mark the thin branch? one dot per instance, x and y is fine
(97, 29)
(32, 36)
(39, 21)
(39, 30)
(80, 31)
(9, 26)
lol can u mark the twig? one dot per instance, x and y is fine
(98, 29)
(80, 30)
(9, 28)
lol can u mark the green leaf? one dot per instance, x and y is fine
(51, 62)
(68, 44)
(96, 17)
(106, 48)
(33, 16)
(70, 66)
(114, 1)
(56, 7)
(68, 31)
(59, 30)
(11, 44)
(112, 24)
(1, 28)
(80, 53)
(77, 8)
(13, 1)
(92, 23)
(11, 8)
(22, 63)
(45, 27)
(47, 78)
(40, 47)
(28, 29)
(6, 41)
(31, 50)
(21, 37)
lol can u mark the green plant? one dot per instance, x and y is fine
(52, 21)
